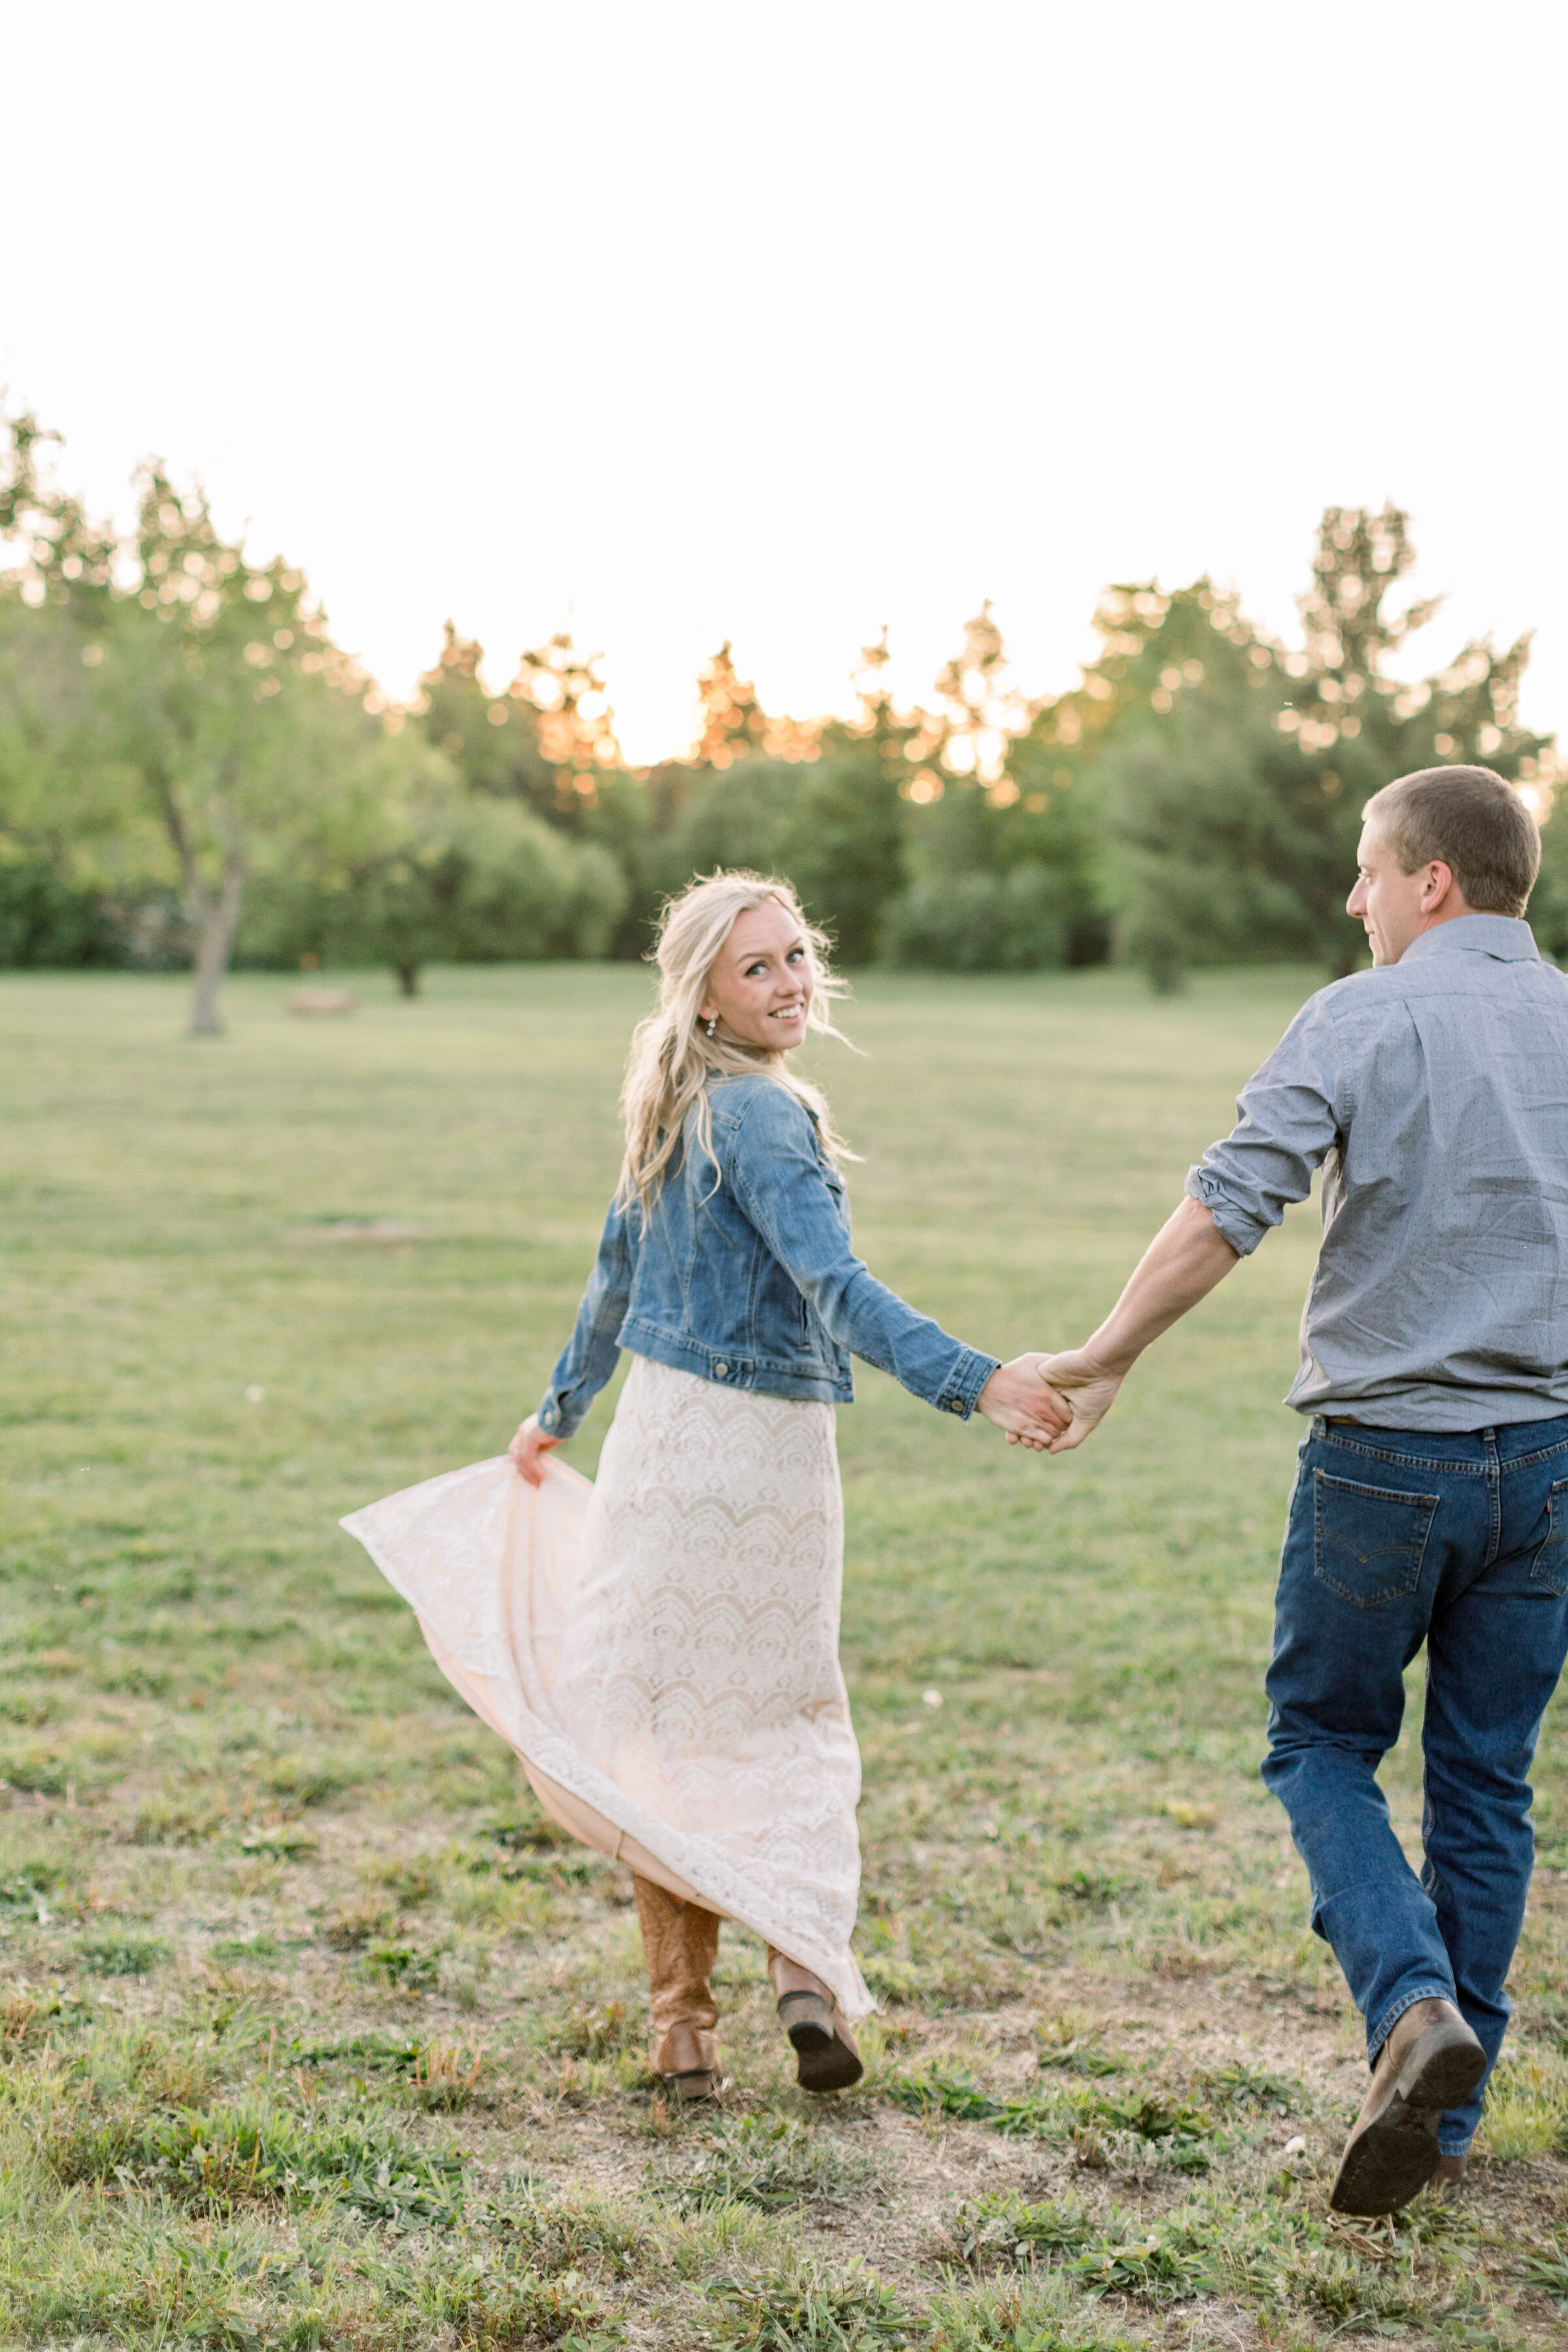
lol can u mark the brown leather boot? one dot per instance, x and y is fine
(825, 2052)
(680, 1943)
(1449, 2179)
(1431, 2061)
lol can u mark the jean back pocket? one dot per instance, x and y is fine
(1550, 1566)
(1368, 1541)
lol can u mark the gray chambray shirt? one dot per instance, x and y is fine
(1435, 1094)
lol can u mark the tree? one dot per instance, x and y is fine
(492, 741)
(843, 846)
(574, 720)
(221, 735)
(819, 805)
(989, 888)
(492, 885)
(1236, 771)
(548, 740)
(982, 712)
(731, 723)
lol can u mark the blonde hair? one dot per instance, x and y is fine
(672, 1061)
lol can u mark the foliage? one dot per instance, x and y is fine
(483, 881)
(546, 741)
(185, 757)
(186, 726)
(1237, 771)
(981, 922)
(45, 919)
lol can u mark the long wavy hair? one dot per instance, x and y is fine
(672, 1061)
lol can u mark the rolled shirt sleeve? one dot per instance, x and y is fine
(1290, 1117)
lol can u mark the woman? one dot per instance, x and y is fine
(666, 1656)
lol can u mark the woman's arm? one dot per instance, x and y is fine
(781, 1185)
(591, 1354)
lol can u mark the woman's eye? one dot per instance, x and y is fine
(797, 955)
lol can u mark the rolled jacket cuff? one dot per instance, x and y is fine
(556, 1414)
(1236, 1226)
(960, 1391)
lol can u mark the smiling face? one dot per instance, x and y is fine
(1396, 906)
(760, 986)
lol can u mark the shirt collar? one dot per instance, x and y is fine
(1509, 938)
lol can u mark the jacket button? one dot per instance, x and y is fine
(721, 1371)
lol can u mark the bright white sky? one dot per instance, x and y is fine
(777, 322)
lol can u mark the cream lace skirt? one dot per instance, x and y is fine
(661, 1648)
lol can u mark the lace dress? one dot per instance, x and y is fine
(661, 1648)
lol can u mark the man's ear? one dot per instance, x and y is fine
(1440, 882)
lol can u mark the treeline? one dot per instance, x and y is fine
(191, 773)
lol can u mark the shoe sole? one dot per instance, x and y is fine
(700, 2085)
(821, 2062)
(1395, 2155)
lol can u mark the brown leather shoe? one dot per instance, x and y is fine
(1430, 2062)
(680, 1943)
(1449, 2179)
(825, 2057)
(687, 2062)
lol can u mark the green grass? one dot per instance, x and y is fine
(314, 2034)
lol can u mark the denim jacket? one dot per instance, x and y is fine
(744, 1274)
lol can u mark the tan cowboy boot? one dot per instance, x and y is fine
(680, 1943)
(1431, 2061)
(826, 2056)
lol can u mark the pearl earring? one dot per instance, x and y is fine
(710, 1024)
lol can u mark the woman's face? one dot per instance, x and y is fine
(760, 986)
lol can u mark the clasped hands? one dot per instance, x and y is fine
(1049, 1403)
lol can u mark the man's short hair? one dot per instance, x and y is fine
(1470, 819)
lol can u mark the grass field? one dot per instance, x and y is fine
(315, 2036)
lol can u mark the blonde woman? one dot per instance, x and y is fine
(663, 1653)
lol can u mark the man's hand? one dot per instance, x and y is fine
(529, 1448)
(1088, 1389)
(1016, 1400)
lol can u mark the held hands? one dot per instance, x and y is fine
(528, 1450)
(1080, 1384)
(1018, 1400)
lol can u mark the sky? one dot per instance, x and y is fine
(782, 322)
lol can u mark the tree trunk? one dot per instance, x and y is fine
(219, 918)
(407, 978)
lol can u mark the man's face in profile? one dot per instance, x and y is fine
(1394, 906)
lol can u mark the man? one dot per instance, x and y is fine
(1432, 1499)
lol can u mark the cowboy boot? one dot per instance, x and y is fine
(1430, 2062)
(680, 1943)
(825, 2056)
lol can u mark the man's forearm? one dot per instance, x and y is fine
(1182, 1264)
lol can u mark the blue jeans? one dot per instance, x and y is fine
(1398, 1536)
